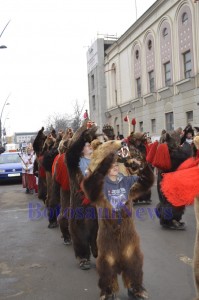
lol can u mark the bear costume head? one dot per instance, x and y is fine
(102, 151)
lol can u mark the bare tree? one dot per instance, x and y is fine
(58, 122)
(78, 112)
(61, 122)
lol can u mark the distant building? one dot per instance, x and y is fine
(152, 71)
(24, 137)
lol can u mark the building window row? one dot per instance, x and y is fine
(167, 74)
(169, 122)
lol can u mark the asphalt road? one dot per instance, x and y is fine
(34, 263)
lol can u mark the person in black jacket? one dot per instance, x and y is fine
(170, 216)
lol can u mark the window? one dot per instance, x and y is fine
(184, 18)
(149, 44)
(169, 121)
(92, 82)
(187, 64)
(165, 32)
(153, 125)
(151, 81)
(189, 116)
(167, 73)
(141, 126)
(137, 54)
(138, 82)
(93, 102)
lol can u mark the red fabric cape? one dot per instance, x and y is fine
(152, 151)
(61, 173)
(181, 187)
(162, 159)
(54, 163)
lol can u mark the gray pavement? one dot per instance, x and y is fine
(34, 263)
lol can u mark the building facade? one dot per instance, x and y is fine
(152, 70)
(96, 80)
(24, 137)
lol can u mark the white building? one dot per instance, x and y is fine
(24, 137)
(152, 70)
(96, 79)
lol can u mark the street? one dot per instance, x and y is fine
(35, 264)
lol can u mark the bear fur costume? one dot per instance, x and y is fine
(50, 158)
(50, 151)
(83, 228)
(118, 242)
(38, 168)
(61, 179)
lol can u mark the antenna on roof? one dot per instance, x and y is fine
(136, 15)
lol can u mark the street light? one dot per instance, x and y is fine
(3, 46)
(5, 103)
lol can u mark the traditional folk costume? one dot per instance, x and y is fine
(28, 178)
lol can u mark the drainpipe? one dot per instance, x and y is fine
(121, 120)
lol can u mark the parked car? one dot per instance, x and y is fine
(10, 166)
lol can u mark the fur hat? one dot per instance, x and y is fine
(139, 136)
(108, 131)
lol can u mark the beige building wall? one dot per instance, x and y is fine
(167, 106)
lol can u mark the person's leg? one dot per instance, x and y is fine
(63, 217)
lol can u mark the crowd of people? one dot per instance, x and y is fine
(71, 156)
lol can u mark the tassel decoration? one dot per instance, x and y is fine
(162, 158)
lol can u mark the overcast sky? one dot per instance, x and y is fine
(44, 68)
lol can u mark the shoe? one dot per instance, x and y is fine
(52, 225)
(67, 241)
(27, 191)
(85, 264)
(31, 191)
(175, 225)
(137, 295)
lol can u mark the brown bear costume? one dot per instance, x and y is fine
(38, 168)
(83, 227)
(117, 241)
(181, 188)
